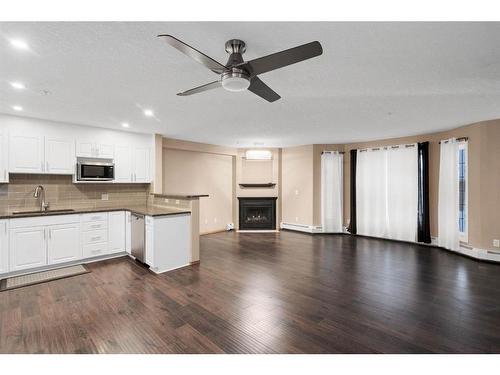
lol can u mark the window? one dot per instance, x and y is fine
(462, 191)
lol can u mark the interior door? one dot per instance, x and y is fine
(59, 155)
(142, 164)
(63, 243)
(27, 248)
(26, 153)
(123, 164)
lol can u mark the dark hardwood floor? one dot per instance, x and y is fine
(266, 293)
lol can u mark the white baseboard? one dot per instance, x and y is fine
(302, 227)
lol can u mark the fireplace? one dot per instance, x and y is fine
(257, 213)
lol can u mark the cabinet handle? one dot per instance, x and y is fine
(44, 234)
(96, 226)
(95, 238)
(47, 166)
(50, 234)
(5, 174)
(41, 165)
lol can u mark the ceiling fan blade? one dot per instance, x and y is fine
(196, 90)
(200, 57)
(280, 59)
(261, 89)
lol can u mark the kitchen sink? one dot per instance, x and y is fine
(48, 212)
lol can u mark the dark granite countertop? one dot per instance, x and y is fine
(143, 210)
(180, 196)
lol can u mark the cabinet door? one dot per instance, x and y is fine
(128, 232)
(26, 154)
(63, 243)
(4, 166)
(85, 149)
(142, 164)
(106, 151)
(116, 232)
(149, 246)
(4, 256)
(59, 155)
(123, 164)
(27, 248)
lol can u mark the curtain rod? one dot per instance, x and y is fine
(386, 147)
(461, 139)
(340, 152)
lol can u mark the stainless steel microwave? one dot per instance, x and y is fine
(95, 170)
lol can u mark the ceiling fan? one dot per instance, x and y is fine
(240, 75)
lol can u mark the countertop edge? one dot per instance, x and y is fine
(95, 210)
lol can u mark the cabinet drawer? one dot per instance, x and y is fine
(95, 250)
(94, 225)
(103, 216)
(95, 236)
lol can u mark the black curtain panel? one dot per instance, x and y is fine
(424, 227)
(352, 224)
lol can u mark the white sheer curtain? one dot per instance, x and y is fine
(402, 193)
(331, 191)
(448, 232)
(387, 192)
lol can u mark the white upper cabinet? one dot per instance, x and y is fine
(123, 163)
(63, 243)
(89, 149)
(4, 157)
(26, 153)
(39, 154)
(4, 243)
(59, 155)
(142, 164)
(45, 147)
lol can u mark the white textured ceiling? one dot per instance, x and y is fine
(374, 80)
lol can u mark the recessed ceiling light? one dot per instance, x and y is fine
(18, 85)
(125, 124)
(148, 113)
(19, 44)
(17, 108)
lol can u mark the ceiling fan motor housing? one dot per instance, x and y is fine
(235, 80)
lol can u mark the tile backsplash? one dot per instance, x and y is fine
(61, 192)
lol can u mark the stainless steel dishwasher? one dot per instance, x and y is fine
(138, 245)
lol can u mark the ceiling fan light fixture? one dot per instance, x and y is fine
(235, 80)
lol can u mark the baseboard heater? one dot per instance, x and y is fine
(302, 227)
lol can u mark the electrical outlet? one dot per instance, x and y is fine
(177, 201)
(297, 219)
(296, 191)
(215, 219)
(206, 221)
(496, 243)
(166, 200)
(105, 197)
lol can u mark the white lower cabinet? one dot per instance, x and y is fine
(27, 248)
(4, 246)
(116, 231)
(63, 243)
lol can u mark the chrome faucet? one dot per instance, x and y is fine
(43, 205)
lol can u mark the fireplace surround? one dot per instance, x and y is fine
(257, 213)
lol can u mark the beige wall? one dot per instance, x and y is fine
(196, 172)
(297, 184)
